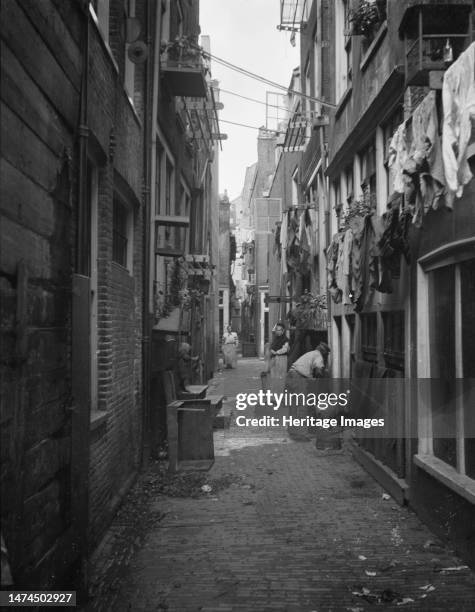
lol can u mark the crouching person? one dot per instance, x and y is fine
(308, 367)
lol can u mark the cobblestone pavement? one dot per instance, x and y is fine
(297, 529)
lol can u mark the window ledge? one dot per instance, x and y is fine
(380, 34)
(132, 107)
(119, 266)
(344, 99)
(447, 475)
(98, 418)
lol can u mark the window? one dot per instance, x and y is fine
(452, 363)
(393, 325)
(348, 39)
(158, 176)
(338, 207)
(350, 189)
(342, 48)
(369, 337)
(129, 70)
(169, 187)
(165, 21)
(368, 173)
(179, 20)
(338, 366)
(120, 233)
(350, 321)
(182, 207)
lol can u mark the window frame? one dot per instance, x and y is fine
(452, 254)
(127, 209)
(129, 66)
(369, 175)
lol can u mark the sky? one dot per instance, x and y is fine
(244, 32)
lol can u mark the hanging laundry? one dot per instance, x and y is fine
(393, 242)
(413, 200)
(397, 157)
(458, 98)
(283, 230)
(301, 229)
(426, 152)
(375, 233)
(312, 228)
(343, 268)
(248, 252)
(293, 256)
(357, 225)
(304, 251)
(283, 243)
(293, 251)
(277, 248)
(332, 258)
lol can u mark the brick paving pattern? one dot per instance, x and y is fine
(298, 529)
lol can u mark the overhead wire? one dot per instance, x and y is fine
(303, 113)
(233, 93)
(253, 127)
(257, 77)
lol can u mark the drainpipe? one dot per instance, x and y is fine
(146, 319)
(83, 133)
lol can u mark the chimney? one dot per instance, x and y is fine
(266, 151)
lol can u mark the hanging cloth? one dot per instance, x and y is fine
(458, 98)
(283, 243)
(426, 152)
(398, 157)
(312, 232)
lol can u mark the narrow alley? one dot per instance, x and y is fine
(203, 200)
(283, 526)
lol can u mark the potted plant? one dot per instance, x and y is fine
(310, 312)
(367, 17)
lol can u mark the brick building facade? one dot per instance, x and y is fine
(376, 71)
(98, 151)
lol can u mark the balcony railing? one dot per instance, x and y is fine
(435, 33)
(432, 52)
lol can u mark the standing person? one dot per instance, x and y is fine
(230, 343)
(185, 366)
(278, 351)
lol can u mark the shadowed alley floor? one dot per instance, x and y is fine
(293, 529)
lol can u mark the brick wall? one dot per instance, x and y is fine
(116, 443)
